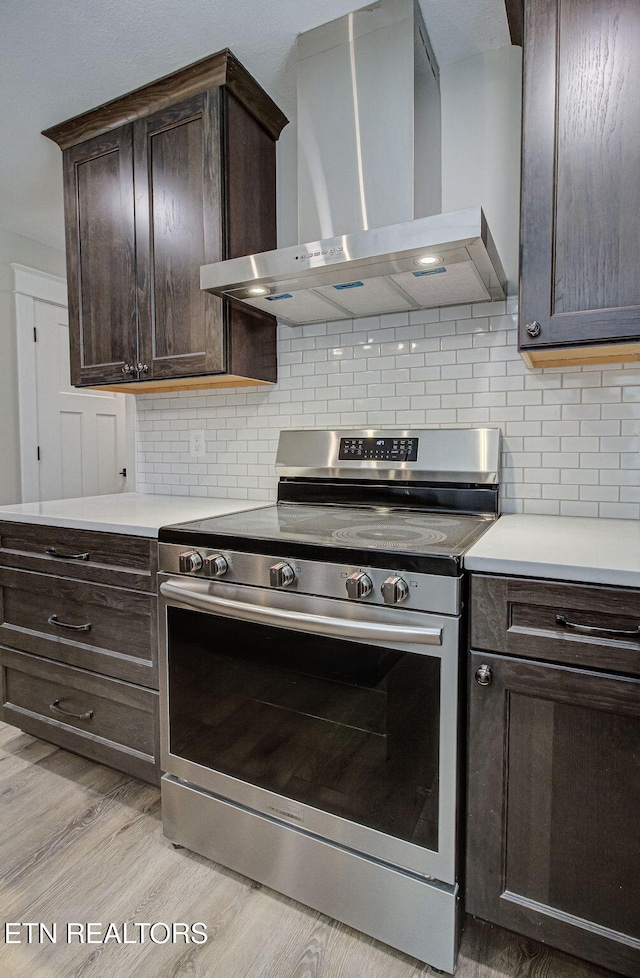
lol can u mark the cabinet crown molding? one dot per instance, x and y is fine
(222, 68)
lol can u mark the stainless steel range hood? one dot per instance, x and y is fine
(369, 186)
(369, 272)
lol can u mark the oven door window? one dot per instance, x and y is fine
(348, 728)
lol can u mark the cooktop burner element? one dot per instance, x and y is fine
(388, 536)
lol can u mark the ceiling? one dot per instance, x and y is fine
(59, 58)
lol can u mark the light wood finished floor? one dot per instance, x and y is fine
(80, 842)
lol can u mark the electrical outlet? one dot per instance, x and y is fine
(196, 442)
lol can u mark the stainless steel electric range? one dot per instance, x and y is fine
(311, 675)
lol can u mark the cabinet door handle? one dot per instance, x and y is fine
(484, 675)
(594, 630)
(142, 368)
(55, 706)
(53, 620)
(52, 552)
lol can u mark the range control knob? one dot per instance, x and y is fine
(215, 565)
(394, 590)
(190, 562)
(281, 575)
(359, 585)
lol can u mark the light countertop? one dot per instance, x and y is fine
(562, 548)
(137, 513)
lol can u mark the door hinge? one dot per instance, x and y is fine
(35, 335)
(38, 452)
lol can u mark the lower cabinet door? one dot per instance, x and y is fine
(553, 844)
(109, 721)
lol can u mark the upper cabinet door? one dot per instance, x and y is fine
(99, 210)
(174, 175)
(580, 274)
(178, 180)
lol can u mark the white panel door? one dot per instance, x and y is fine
(72, 442)
(81, 433)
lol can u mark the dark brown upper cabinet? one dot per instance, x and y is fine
(172, 176)
(515, 19)
(580, 245)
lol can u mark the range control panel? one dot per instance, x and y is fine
(379, 449)
(390, 586)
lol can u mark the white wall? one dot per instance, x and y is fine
(481, 114)
(24, 251)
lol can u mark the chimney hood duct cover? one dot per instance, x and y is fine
(368, 154)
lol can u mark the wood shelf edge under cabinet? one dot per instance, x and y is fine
(581, 356)
(181, 384)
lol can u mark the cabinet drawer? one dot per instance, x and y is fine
(580, 624)
(103, 719)
(86, 555)
(104, 629)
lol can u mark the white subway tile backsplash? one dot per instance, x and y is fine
(541, 475)
(560, 427)
(629, 411)
(424, 316)
(580, 477)
(564, 460)
(560, 492)
(571, 508)
(571, 436)
(487, 339)
(455, 312)
(456, 371)
(599, 460)
(460, 341)
(630, 494)
(477, 385)
(599, 427)
(488, 309)
(544, 507)
(624, 511)
(490, 370)
(425, 402)
(600, 395)
(472, 356)
(620, 477)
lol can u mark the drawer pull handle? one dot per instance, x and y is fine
(52, 552)
(55, 706)
(594, 630)
(53, 620)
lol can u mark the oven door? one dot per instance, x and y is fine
(334, 716)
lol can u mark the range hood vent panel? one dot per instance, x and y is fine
(368, 273)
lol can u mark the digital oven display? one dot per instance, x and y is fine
(379, 449)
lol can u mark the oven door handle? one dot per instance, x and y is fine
(300, 621)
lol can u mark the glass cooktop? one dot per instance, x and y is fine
(350, 527)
